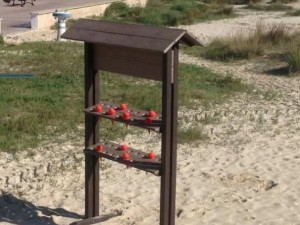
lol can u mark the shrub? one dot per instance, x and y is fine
(120, 11)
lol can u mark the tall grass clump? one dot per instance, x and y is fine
(166, 13)
(294, 13)
(242, 46)
(293, 60)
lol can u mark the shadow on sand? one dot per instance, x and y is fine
(281, 71)
(17, 211)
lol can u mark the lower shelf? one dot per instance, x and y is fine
(137, 159)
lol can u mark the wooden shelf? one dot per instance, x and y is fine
(137, 117)
(137, 159)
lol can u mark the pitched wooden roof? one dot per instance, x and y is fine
(128, 35)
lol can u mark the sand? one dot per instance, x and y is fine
(246, 173)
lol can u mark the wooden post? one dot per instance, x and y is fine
(174, 119)
(91, 135)
(169, 138)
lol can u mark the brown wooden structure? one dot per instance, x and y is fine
(141, 51)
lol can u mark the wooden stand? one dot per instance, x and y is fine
(141, 51)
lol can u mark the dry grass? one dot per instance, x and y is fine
(293, 60)
(244, 46)
(276, 40)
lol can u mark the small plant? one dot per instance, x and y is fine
(190, 135)
(293, 60)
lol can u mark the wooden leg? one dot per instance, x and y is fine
(91, 136)
(91, 186)
(169, 139)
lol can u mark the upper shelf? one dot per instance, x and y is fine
(133, 117)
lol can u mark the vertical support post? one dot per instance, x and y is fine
(174, 119)
(91, 135)
(169, 137)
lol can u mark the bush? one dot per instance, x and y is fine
(120, 11)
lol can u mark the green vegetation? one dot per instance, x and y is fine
(293, 60)
(229, 50)
(276, 40)
(241, 46)
(195, 83)
(33, 110)
(294, 13)
(167, 12)
(190, 135)
(277, 6)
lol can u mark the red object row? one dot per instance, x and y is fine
(123, 107)
(124, 147)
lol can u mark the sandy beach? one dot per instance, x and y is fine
(246, 173)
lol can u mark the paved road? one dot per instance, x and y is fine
(17, 18)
